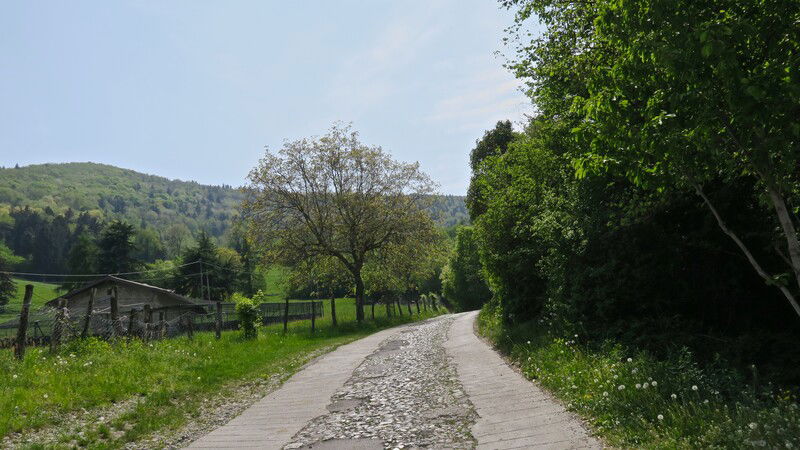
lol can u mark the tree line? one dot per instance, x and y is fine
(652, 199)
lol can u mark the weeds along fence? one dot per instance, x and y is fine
(55, 325)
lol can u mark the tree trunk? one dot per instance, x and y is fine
(333, 309)
(373, 308)
(359, 297)
(789, 231)
(399, 306)
(763, 274)
(408, 304)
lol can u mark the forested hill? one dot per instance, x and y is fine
(109, 192)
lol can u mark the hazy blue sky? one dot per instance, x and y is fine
(195, 90)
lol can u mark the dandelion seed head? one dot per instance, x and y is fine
(660, 417)
(694, 387)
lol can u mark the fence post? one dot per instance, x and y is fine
(87, 321)
(218, 320)
(408, 304)
(313, 314)
(424, 303)
(58, 325)
(131, 323)
(333, 310)
(22, 331)
(189, 326)
(162, 325)
(373, 308)
(115, 323)
(286, 317)
(417, 302)
(148, 318)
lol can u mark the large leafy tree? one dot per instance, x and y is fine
(493, 143)
(335, 196)
(679, 94)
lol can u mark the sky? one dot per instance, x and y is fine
(195, 90)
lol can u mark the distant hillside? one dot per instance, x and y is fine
(109, 192)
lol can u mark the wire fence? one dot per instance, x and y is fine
(49, 323)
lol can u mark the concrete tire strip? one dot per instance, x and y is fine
(430, 384)
(513, 412)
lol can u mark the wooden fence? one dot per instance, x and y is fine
(52, 326)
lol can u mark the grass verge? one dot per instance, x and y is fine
(168, 378)
(634, 400)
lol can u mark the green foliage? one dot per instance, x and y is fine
(462, 277)
(110, 193)
(493, 143)
(116, 248)
(248, 314)
(207, 271)
(7, 260)
(634, 400)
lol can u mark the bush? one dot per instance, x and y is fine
(248, 314)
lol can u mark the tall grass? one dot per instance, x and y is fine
(635, 400)
(168, 378)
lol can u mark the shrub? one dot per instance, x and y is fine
(248, 314)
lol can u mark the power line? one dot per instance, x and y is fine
(64, 275)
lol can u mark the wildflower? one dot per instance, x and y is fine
(645, 385)
(198, 378)
(705, 401)
(753, 425)
(605, 393)
(674, 396)
(630, 359)
(694, 387)
(529, 342)
(14, 377)
(653, 383)
(45, 396)
(634, 370)
(660, 417)
(638, 385)
(620, 387)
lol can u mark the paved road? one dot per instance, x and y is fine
(432, 384)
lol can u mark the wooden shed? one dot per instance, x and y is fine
(130, 295)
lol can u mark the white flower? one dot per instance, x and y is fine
(634, 370)
(630, 359)
(620, 387)
(645, 385)
(660, 417)
(605, 393)
(753, 425)
(14, 377)
(654, 383)
(674, 396)
(529, 342)
(45, 396)
(705, 401)
(694, 387)
(638, 385)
